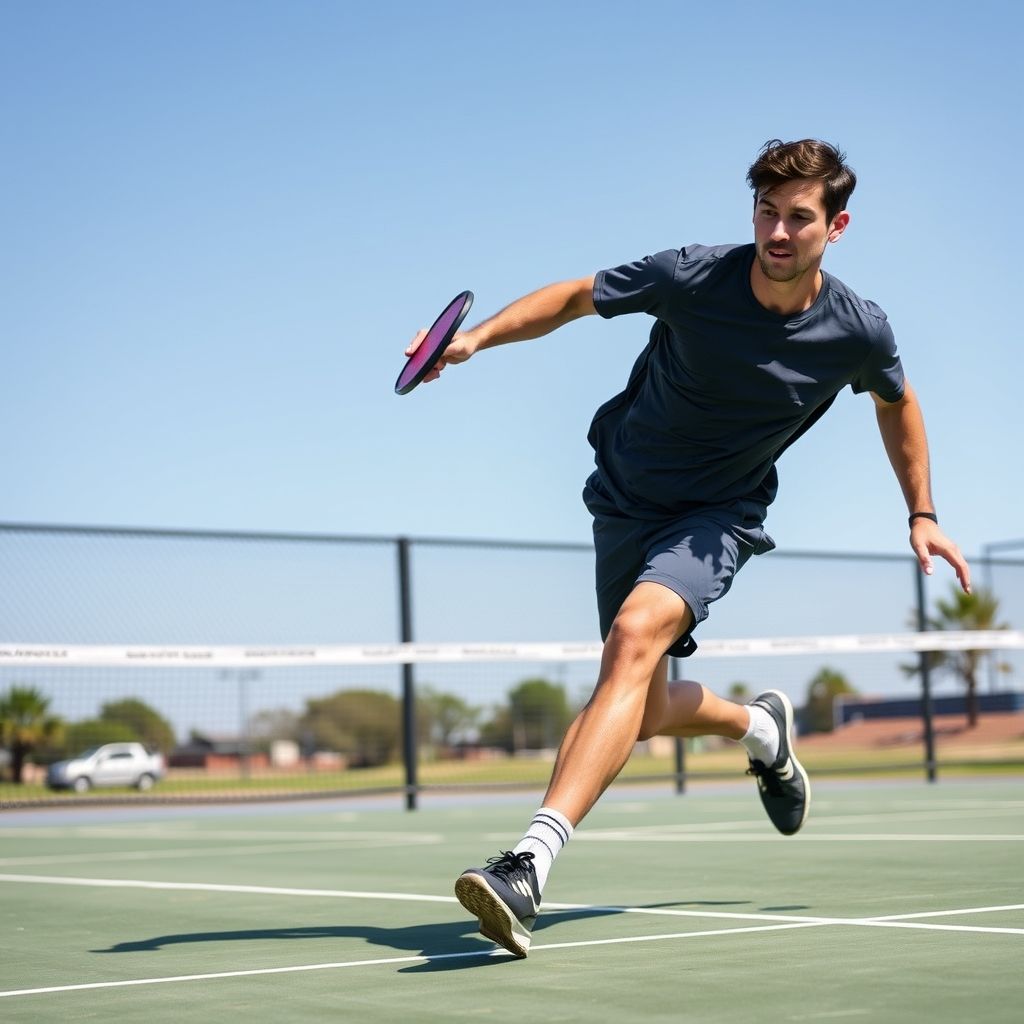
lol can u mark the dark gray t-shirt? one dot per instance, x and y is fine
(725, 385)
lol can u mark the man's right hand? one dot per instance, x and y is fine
(532, 316)
(461, 347)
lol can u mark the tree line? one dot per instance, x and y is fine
(364, 725)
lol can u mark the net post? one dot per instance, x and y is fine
(242, 677)
(408, 679)
(986, 577)
(926, 682)
(680, 744)
(245, 759)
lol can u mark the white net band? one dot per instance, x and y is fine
(224, 656)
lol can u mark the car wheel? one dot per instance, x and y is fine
(144, 783)
(81, 784)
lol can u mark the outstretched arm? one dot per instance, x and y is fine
(532, 316)
(902, 428)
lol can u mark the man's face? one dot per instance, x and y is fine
(790, 229)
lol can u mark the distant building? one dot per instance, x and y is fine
(849, 708)
(215, 754)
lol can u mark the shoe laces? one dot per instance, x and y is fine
(767, 778)
(510, 864)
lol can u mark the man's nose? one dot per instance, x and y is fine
(779, 232)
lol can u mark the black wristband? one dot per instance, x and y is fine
(923, 515)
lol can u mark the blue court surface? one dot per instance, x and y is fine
(899, 901)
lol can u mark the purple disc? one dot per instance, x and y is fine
(433, 345)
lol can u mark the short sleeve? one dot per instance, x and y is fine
(641, 287)
(882, 371)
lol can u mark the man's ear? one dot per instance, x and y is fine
(839, 224)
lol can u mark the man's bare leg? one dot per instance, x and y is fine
(690, 709)
(600, 740)
(632, 700)
(506, 894)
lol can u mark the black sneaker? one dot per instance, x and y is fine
(784, 787)
(506, 898)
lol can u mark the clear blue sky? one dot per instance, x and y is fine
(223, 220)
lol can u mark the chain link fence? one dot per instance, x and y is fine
(231, 730)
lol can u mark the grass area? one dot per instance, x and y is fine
(530, 772)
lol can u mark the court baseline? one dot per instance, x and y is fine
(778, 923)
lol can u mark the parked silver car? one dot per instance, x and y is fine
(113, 764)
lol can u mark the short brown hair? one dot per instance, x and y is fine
(808, 159)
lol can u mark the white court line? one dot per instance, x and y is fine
(199, 851)
(424, 957)
(264, 890)
(953, 803)
(806, 837)
(948, 913)
(789, 923)
(258, 890)
(650, 833)
(831, 1014)
(642, 832)
(890, 921)
(194, 834)
(936, 927)
(416, 958)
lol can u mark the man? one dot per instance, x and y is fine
(750, 345)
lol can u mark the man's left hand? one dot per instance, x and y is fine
(927, 539)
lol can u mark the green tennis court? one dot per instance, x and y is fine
(898, 902)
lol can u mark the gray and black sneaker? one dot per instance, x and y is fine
(506, 898)
(784, 787)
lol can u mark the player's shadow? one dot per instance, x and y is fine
(443, 939)
(552, 919)
(450, 945)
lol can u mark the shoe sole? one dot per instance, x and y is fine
(787, 707)
(497, 922)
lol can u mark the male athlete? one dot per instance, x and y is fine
(750, 345)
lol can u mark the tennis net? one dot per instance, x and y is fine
(235, 722)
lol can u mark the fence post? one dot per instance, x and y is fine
(926, 681)
(680, 744)
(986, 578)
(408, 680)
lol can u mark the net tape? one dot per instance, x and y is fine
(103, 656)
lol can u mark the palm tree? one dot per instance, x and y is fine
(818, 714)
(976, 610)
(25, 724)
(739, 692)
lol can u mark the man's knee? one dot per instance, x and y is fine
(650, 620)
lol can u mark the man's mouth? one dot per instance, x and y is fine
(779, 254)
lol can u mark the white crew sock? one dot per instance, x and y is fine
(762, 738)
(548, 833)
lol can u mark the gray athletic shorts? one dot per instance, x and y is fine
(696, 555)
